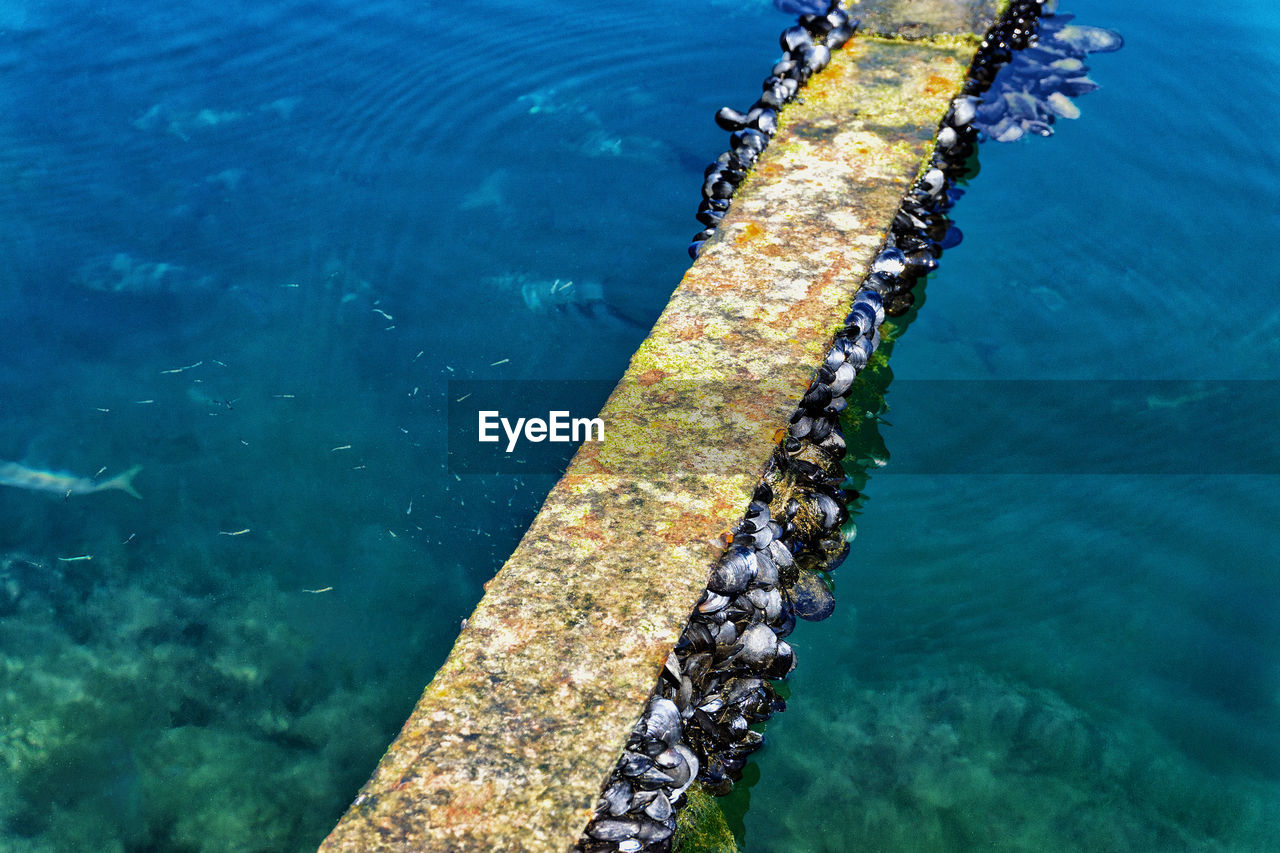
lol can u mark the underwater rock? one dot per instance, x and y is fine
(122, 273)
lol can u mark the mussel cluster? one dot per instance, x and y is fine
(717, 682)
(806, 50)
(1036, 85)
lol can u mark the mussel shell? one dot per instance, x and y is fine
(733, 572)
(817, 57)
(617, 798)
(617, 829)
(730, 119)
(749, 139)
(795, 38)
(811, 598)
(840, 35)
(842, 382)
(891, 261)
(710, 218)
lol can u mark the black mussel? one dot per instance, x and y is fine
(921, 262)
(899, 303)
(764, 119)
(699, 639)
(632, 764)
(882, 283)
(772, 98)
(801, 425)
(695, 249)
(933, 181)
(697, 664)
(758, 645)
(833, 514)
(784, 661)
(918, 241)
(964, 109)
(704, 234)
(749, 139)
(780, 554)
(835, 356)
(817, 397)
(794, 39)
(710, 218)
(655, 776)
(685, 772)
(787, 622)
(817, 57)
(720, 204)
(835, 558)
(730, 119)
(821, 429)
(763, 493)
(947, 137)
(862, 317)
(843, 380)
(659, 809)
(712, 602)
(766, 568)
(652, 831)
(617, 798)
(717, 188)
(784, 68)
(615, 829)
(811, 598)
(840, 35)
(891, 261)
(817, 25)
(733, 572)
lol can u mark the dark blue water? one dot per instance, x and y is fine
(1077, 661)
(246, 246)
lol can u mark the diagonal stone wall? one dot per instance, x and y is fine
(510, 743)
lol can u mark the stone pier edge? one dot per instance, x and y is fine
(510, 742)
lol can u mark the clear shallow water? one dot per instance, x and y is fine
(1073, 662)
(246, 248)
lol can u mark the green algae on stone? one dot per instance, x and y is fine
(701, 826)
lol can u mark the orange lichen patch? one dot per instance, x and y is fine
(652, 376)
(936, 83)
(750, 231)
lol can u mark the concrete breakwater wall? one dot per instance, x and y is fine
(512, 741)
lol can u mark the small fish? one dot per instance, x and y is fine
(22, 477)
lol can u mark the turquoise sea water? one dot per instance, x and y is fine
(1086, 661)
(247, 248)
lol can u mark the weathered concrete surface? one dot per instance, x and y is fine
(921, 18)
(510, 743)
